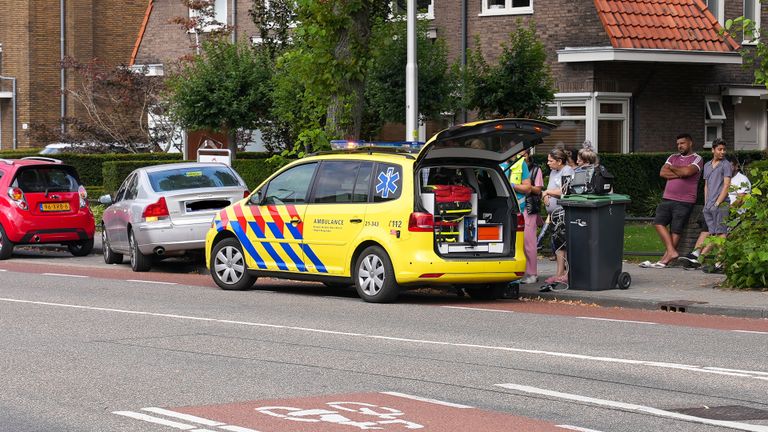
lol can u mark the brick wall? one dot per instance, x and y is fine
(29, 32)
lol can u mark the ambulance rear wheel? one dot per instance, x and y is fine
(228, 267)
(374, 277)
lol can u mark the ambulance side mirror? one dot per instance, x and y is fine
(256, 198)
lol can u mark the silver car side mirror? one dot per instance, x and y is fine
(105, 199)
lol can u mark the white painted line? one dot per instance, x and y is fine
(151, 282)
(237, 429)
(634, 408)
(423, 399)
(647, 363)
(616, 320)
(478, 309)
(751, 331)
(576, 428)
(202, 430)
(150, 419)
(62, 274)
(737, 370)
(182, 416)
(3, 270)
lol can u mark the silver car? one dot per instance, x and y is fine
(166, 210)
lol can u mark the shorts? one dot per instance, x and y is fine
(673, 213)
(715, 218)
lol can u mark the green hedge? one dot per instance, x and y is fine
(252, 170)
(637, 175)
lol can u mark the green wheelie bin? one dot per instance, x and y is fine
(594, 230)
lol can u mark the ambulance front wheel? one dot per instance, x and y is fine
(228, 267)
(374, 276)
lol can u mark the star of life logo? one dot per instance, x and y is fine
(387, 182)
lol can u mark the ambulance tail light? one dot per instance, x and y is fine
(520, 222)
(421, 222)
(155, 211)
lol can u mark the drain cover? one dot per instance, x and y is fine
(728, 412)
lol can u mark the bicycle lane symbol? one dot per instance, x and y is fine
(365, 416)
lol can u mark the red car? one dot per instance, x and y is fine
(42, 201)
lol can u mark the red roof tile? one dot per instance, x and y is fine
(685, 25)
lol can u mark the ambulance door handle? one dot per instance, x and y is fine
(355, 220)
(295, 221)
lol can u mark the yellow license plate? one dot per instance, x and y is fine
(54, 206)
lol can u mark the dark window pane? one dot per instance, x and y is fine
(192, 178)
(290, 186)
(336, 182)
(363, 183)
(521, 3)
(610, 135)
(611, 108)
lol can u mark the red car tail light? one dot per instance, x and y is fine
(421, 222)
(520, 222)
(156, 210)
(246, 193)
(17, 195)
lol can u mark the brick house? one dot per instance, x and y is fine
(630, 74)
(32, 34)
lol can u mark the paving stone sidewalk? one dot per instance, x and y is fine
(672, 289)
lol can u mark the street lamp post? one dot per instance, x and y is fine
(411, 79)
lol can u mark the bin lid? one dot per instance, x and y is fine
(587, 200)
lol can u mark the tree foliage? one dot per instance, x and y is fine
(519, 85)
(385, 89)
(115, 102)
(226, 88)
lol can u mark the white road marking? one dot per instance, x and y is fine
(237, 429)
(3, 270)
(634, 408)
(751, 331)
(150, 419)
(63, 274)
(616, 320)
(182, 416)
(423, 399)
(151, 282)
(478, 309)
(576, 428)
(737, 370)
(691, 368)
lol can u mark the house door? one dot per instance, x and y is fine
(750, 124)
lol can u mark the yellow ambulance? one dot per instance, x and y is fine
(384, 217)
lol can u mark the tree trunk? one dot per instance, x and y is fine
(343, 122)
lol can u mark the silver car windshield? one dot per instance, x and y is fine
(192, 178)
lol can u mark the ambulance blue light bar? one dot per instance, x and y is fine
(362, 145)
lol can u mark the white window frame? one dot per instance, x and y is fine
(719, 101)
(711, 120)
(612, 98)
(755, 6)
(220, 8)
(507, 9)
(720, 12)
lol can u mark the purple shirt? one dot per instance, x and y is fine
(684, 189)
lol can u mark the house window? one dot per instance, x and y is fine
(612, 125)
(507, 7)
(716, 7)
(752, 13)
(714, 114)
(424, 8)
(570, 116)
(215, 18)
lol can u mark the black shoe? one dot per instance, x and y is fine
(545, 288)
(691, 258)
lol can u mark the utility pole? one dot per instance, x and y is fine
(411, 79)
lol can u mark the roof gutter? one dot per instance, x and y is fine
(62, 72)
(611, 54)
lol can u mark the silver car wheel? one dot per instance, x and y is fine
(229, 265)
(371, 275)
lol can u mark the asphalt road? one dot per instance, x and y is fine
(90, 347)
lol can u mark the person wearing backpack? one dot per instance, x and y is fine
(532, 216)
